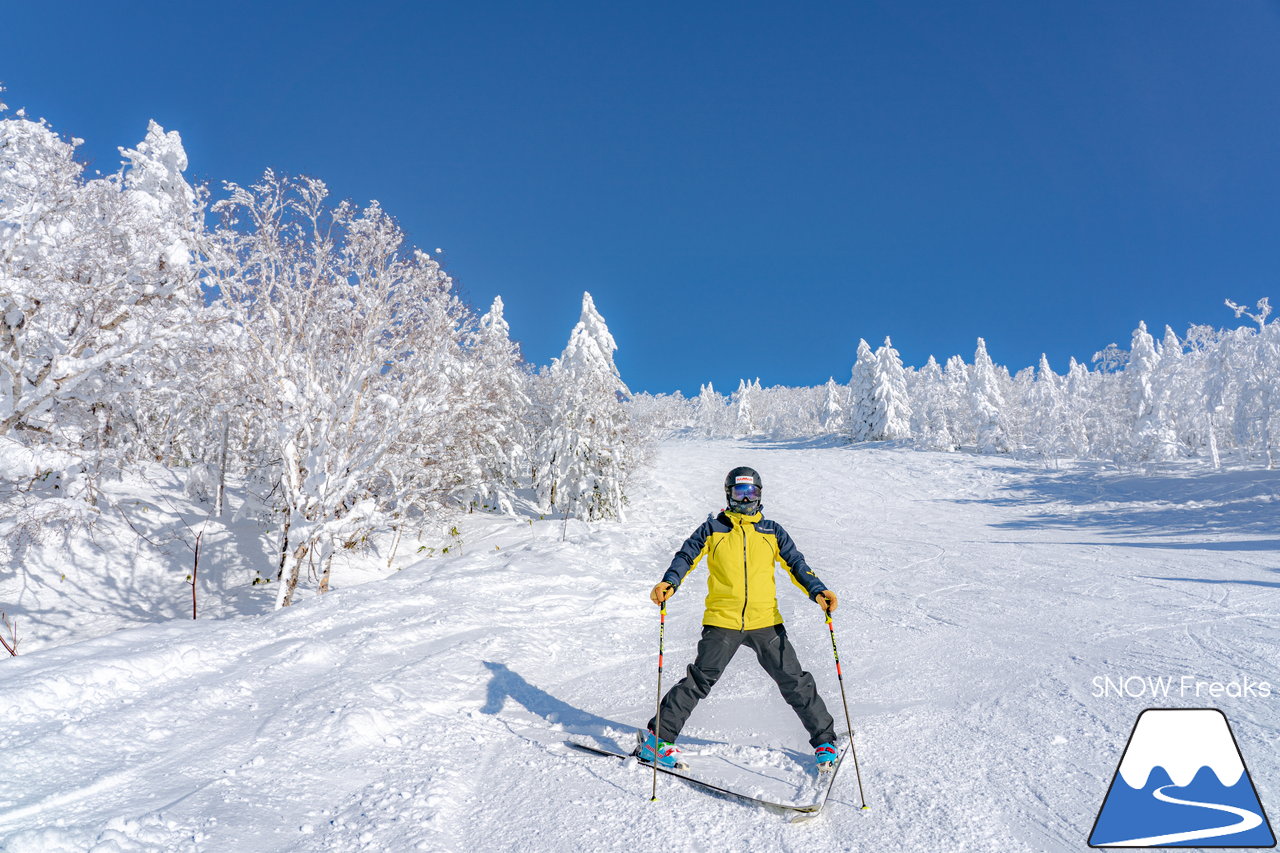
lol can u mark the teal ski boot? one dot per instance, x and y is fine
(668, 754)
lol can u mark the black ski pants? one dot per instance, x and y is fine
(776, 655)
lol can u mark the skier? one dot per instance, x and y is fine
(742, 550)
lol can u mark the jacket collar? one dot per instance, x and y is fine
(738, 518)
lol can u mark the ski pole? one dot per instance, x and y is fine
(848, 725)
(657, 724)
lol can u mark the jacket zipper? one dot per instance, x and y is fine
(746, 581)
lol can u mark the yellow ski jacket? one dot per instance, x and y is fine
(742, 553)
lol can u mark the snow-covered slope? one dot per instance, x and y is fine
(980, 598)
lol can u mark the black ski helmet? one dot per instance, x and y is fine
(739, 475)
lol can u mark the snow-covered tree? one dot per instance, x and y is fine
(930, 424)
(657, 417)
(862, 394)
(1213, 392)
(744, 409)
(835, 407)
(890, 415)
(1181, 409)
(1151, 437)
(1046, 434)
(785, 413)
(1017, 391)
(1076, 412)
(711, 413)
(352, 345)
(497, 394)
(986, 403)
(588, 446)
(959, 414)
(91, 275)
(1252, 359)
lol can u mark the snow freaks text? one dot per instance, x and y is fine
(1181, 687)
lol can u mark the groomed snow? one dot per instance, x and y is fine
(980, 599)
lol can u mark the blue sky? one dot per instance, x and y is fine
(746, 189)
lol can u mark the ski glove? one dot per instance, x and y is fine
(661, 592)
(827, 600)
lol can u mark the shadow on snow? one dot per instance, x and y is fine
(1203, 504)
(506, 684)
(1249, 582)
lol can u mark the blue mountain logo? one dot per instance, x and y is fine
(1182, 783)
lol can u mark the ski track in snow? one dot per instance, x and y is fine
(428, 710)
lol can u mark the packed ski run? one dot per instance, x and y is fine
(983, 601)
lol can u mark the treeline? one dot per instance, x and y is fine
(1208, 393)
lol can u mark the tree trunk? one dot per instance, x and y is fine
(289, 579)
(395, 546)
(284, 547)
(222, 467)
(1213, 445)
(324, 576)
(12, 628)
(195, 572)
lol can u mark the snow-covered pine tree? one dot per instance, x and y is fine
(890, 415)
(862, 394)
(835, 407)
(711, 413)
(1210, 391)
(1017, 392)
(929, 421)
(955, 380)
(744, 423)
(986, 403)
(1187, 389)
(772, 413)
(1077, 411)
(1139, 372)
(1180, 407)
(1046, 435)
(588, 446)
(1151, 436)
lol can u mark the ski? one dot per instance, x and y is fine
(802, 810)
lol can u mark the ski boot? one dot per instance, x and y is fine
(668, 754)
(826, 754)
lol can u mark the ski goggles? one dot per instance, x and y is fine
(744, 492)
